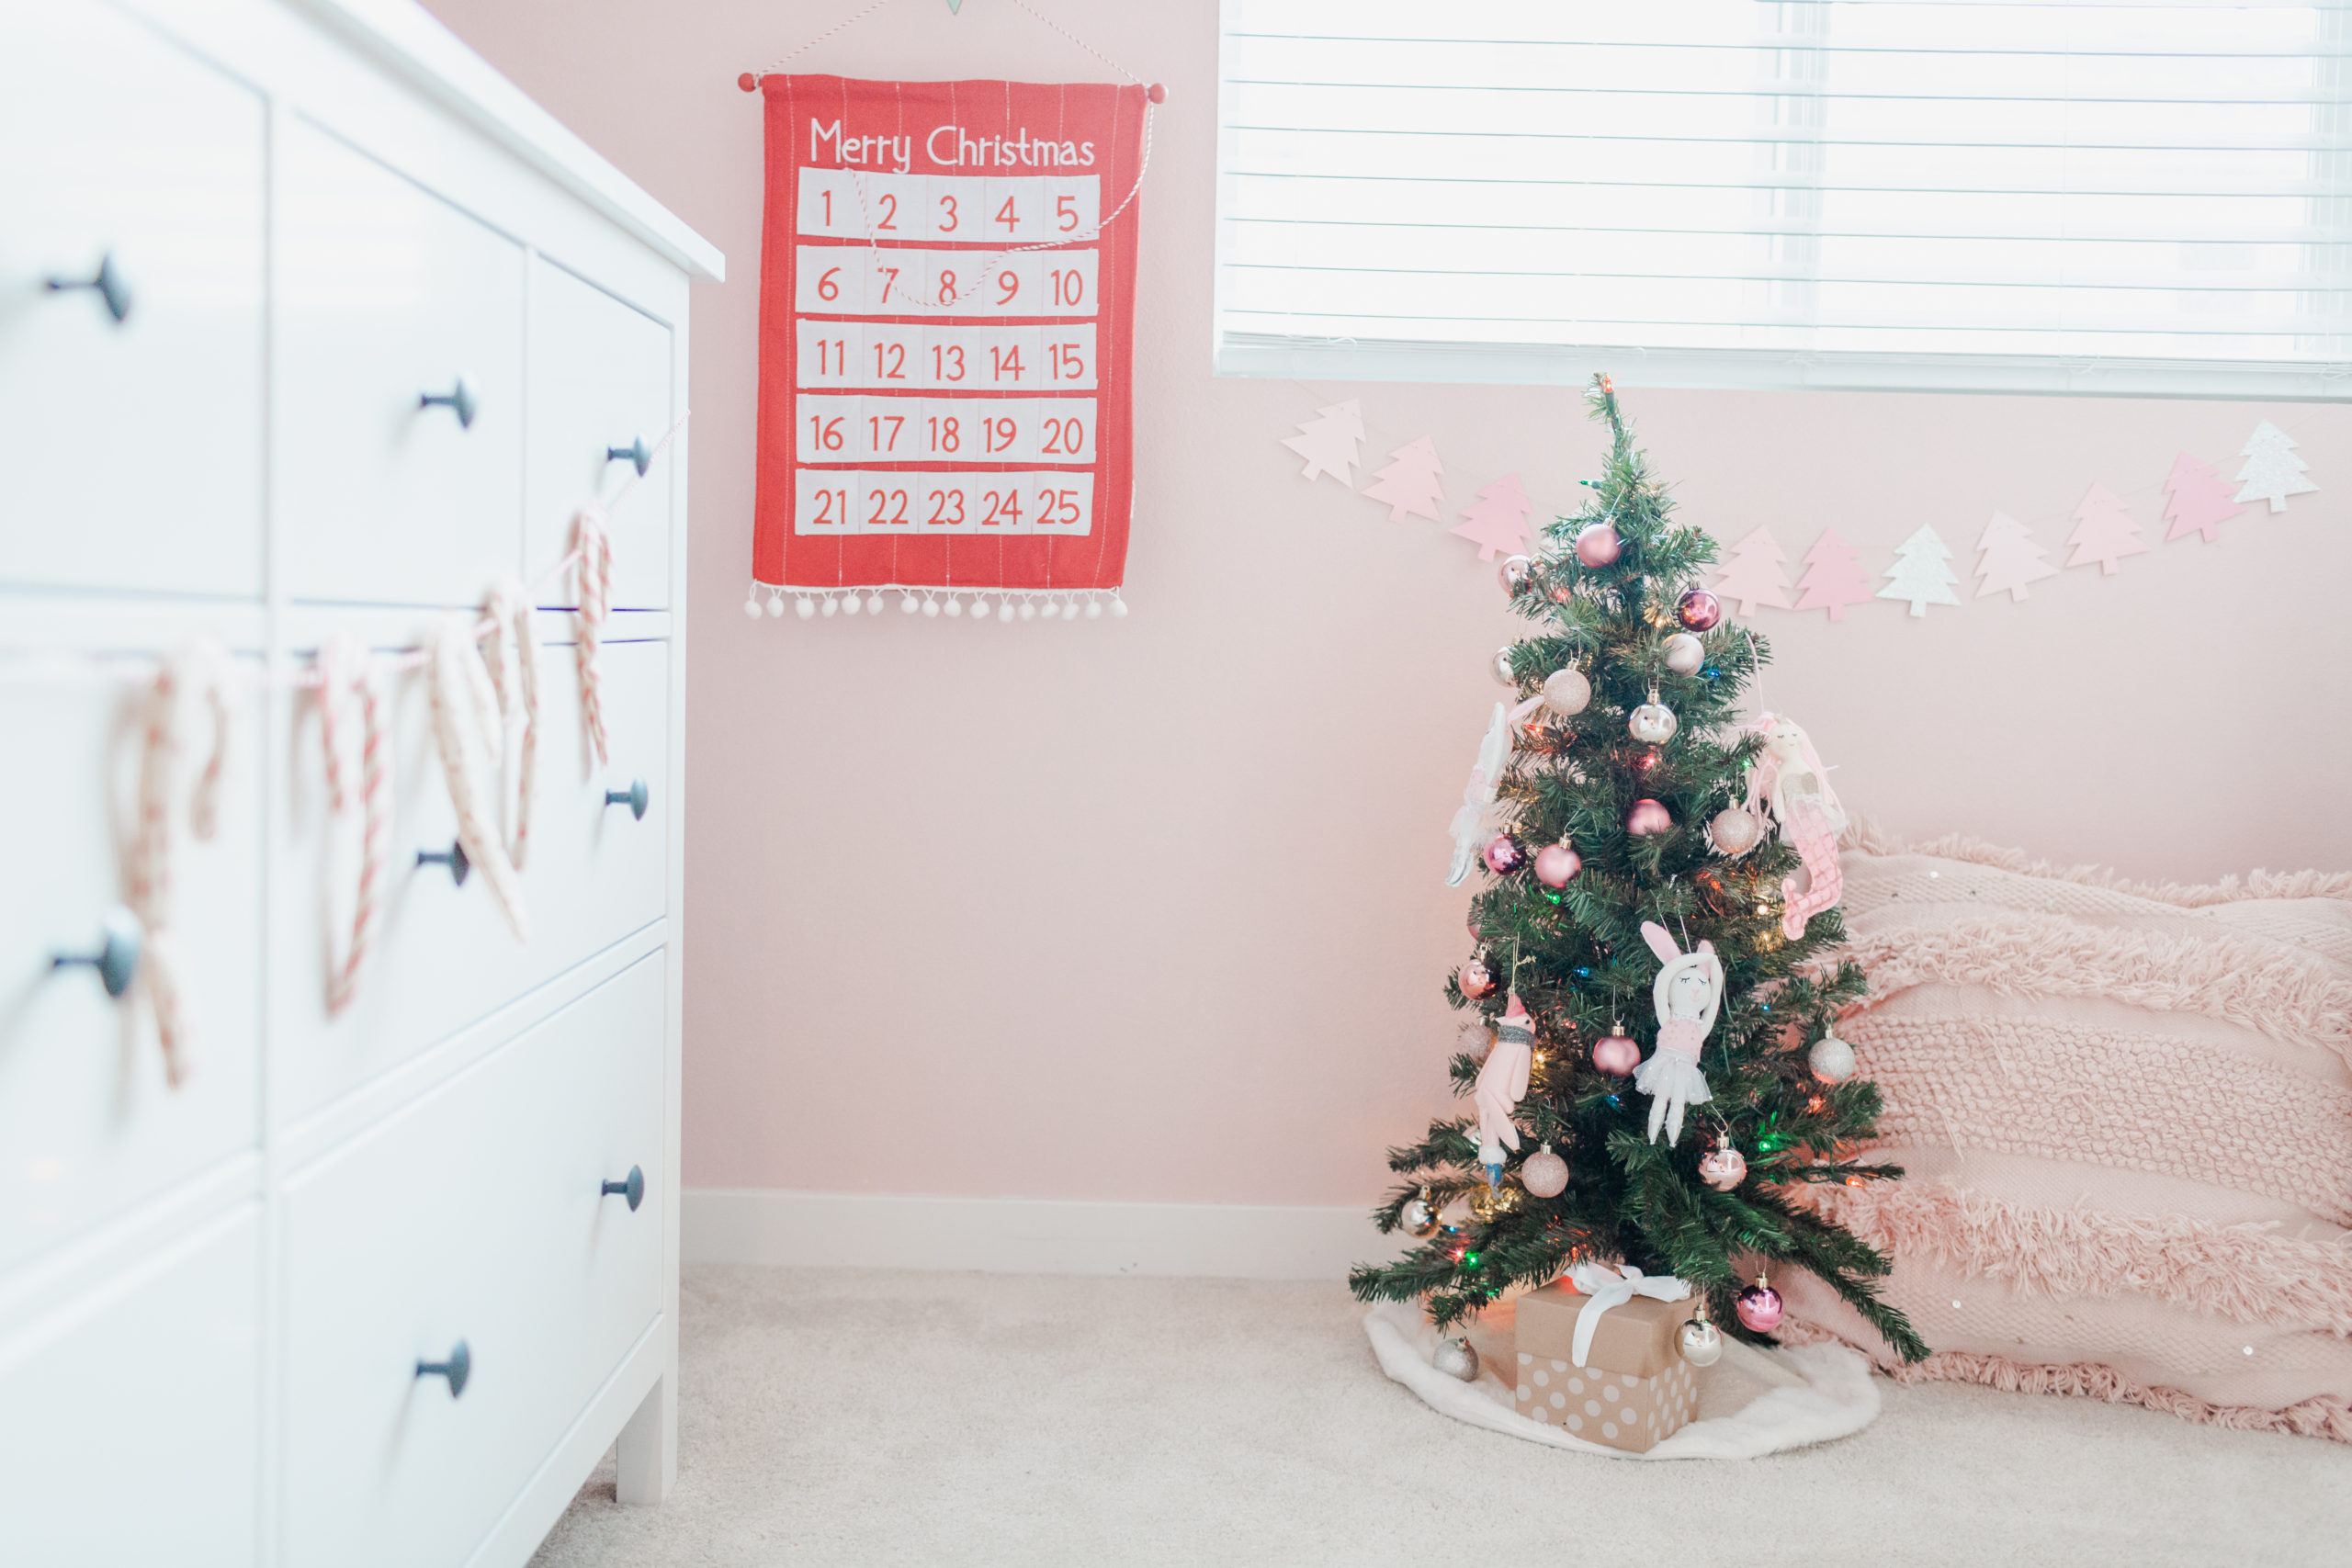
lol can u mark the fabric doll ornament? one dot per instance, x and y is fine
(1687, 993)
(1790, 782)
(1502, 1083)
(1477, 796)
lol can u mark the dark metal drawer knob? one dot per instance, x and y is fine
(108, 286)
(633, 1189)
(454, 857)
(116, 959)
(637, 798)
(459, 400)
(636, 452)
(457, 1369)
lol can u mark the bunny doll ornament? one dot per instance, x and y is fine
(1689, 988)
(1789, 780)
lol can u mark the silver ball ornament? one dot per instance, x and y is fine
(1565, 692)
(1515, 574)
(1685, 654)
(1455, 1358)
(1652, 724)
(1831, 1059)
(1544, 1174)
(1699, 1342)
(1418, 1217)
(1501, 670)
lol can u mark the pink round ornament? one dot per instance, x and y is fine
(1698, 610)
(1616, 1055)
(1503, 854)
(1735, 831)
(1597, 544)
(1647, 817)
(1545, 1175)
(1477, 981)
(1760, 1307)
(1557, 863)
(1723, 1168)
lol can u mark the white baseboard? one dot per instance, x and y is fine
(1025, 1235)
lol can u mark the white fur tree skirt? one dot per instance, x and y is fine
(1752, 1401)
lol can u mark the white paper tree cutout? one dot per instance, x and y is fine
(1753, 575)
(1833, 578)
(2272, 471)
(1497, 519)
(1922, 572)
(2008, 559)
(1409, 483)
(2104, 531)
(1328, 441)
(2199, 500)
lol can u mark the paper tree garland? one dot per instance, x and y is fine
(1921, 573)
(1328, 441)
(1753, 574)
(2199, 500)
(1497, 519)
(2008, 559)
(2272, 471)
(1410, 483)
(2104, 531)
(1833, 578)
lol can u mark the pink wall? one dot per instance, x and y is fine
(1152, 909)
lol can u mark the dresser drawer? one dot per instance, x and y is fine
(600, 379)
(475, 1215)
(87, 1125)
(385, 295)
(443, 956)
(133, 1417)
(134, 447)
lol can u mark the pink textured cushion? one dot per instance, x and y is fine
(2127, 1114)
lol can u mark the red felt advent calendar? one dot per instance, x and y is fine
(947, 313)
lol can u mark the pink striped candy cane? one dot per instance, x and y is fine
(513, 657)
(592, 548)
(459, 689)
(345, 668)
(193, 674)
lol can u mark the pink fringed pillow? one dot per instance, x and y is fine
(2126, 1112)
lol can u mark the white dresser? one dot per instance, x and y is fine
(230, 1310)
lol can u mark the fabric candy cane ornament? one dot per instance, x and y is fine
(1502, 1083)
(1689, 989)
(346, 672)
(196, 675)
(1479, 795)
(592, 550)
(1789, 780)
(471, 733)
(514, 658)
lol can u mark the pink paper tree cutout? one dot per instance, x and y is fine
(2104, 531)
(1327, 441)
(1409, 483)
(1922, 572)
(1833, 578)
(1497, 519)
(1753, 575)
(2199, 500)
(2272, 471)
(2008, 559)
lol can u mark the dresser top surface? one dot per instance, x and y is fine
(408, 40)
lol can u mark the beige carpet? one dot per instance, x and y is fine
(860, 1416)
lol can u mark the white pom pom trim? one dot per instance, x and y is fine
(1010, 603)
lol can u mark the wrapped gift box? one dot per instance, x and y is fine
(1634, 1390)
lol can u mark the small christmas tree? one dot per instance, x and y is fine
(1922, 572)
(2272, 471)
(2197, 500)
(1410, 483)
(2008, 559)
(1753, 575)
(1574, 957)
(2104, 531)
(1328, 441)
(1497, 519)
(1833, 578)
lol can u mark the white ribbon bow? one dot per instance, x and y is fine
(1609, 1287)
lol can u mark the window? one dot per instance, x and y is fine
(1989, 194)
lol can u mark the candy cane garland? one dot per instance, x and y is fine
(344, 668)
(592, 551)
(514, 652)
(193, 674)
(459, 684)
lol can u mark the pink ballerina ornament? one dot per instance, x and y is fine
(1687, 993)
(1502, 1083)
(1790, 782)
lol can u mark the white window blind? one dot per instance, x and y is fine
(2074, 195)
